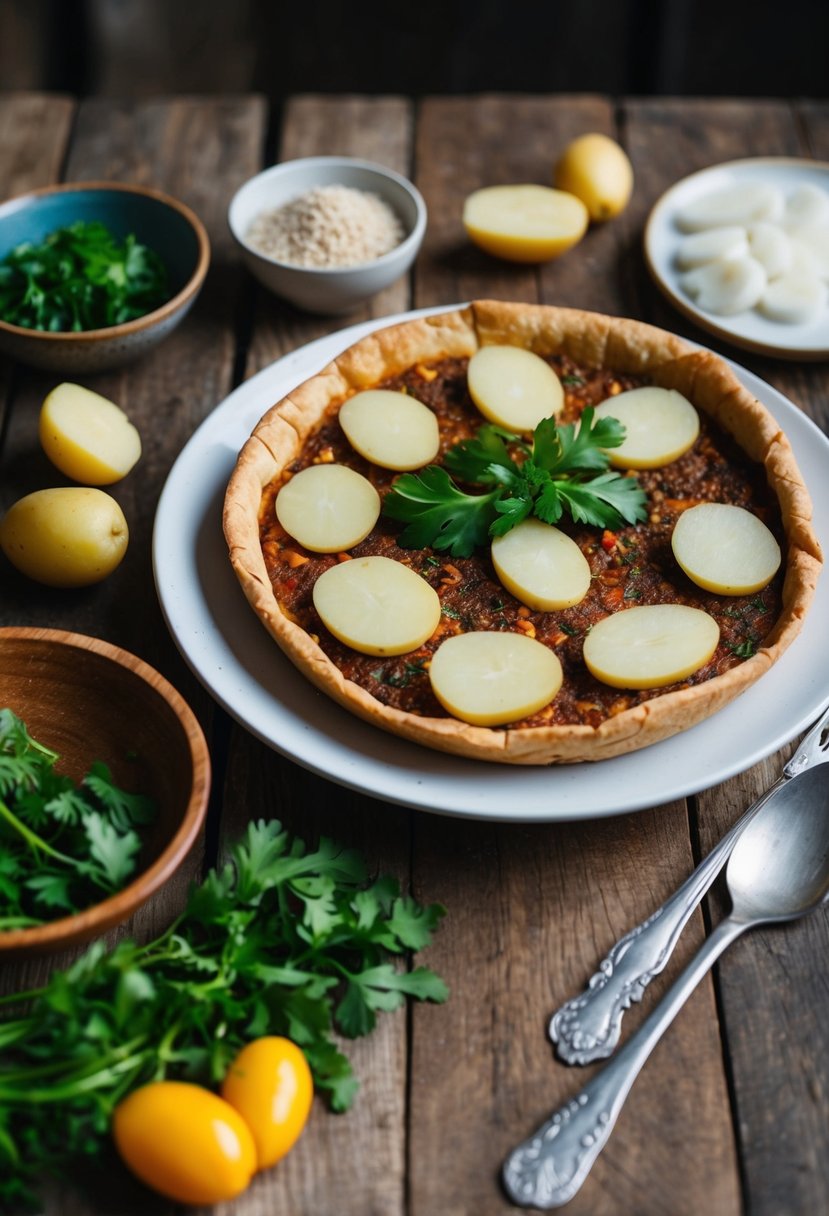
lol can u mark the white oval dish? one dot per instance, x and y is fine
(749, 329)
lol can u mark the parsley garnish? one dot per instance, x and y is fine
(80, 277)
(564, 469)
(63, 847)
(280, 940)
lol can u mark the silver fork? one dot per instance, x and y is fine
(588, 1026)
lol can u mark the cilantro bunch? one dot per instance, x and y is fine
(280, 940)
(565, 468)
(80, 277)
(63, 847)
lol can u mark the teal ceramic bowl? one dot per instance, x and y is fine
(161, 223)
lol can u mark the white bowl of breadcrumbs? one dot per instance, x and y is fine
(327, 232)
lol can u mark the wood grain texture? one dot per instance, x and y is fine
(729, 1115)
(359, 1157)
(510, 888)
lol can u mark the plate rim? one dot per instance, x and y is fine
(417, 796)
(697, 316)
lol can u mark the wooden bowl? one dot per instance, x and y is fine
(89, 700)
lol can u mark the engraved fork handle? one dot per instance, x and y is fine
(587, 1027)
(546, 1170)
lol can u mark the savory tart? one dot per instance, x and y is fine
(528, 514)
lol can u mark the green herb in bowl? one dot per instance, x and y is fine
(80, 277)
(63, 847)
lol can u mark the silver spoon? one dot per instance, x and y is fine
(778, 871)
(587, 1027)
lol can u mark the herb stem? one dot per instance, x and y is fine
(32, 838)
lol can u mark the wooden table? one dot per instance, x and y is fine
(731, 1113)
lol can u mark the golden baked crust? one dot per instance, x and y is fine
(627, 347)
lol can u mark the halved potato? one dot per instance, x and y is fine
(524, 223)
(86, 436)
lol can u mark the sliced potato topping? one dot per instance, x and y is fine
(376, 605)
(513, 387)
(328, 507)
(725, 549)
(660, 424)
(651, 645)
(541, 566)
(490, 679)
(390, 429)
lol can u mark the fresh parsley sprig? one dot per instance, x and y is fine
(80, 277)
(564, 469)
(63, 847)
(280, 940)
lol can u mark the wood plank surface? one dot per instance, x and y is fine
(263, 784)
(512, 889)
(730, 1114)
(771, 993)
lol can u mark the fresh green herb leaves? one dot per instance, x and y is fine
(80, 277)
(62, 846)
(565, 469)
(280, 940)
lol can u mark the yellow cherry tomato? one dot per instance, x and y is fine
(270, 1085)
(185, 1142)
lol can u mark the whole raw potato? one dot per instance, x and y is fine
(65, 537)
(596, 170)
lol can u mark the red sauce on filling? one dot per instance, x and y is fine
(633, 565)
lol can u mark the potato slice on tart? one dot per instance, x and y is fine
(443, 553)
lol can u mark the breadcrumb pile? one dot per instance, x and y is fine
(327, 227)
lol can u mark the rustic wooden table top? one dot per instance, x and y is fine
(731, 1113)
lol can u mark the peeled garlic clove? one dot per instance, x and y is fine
(328, 507)
(541, 566)
(650, 646)
(711, 245)
(810, 250)
(490, 679)
(726, 287)
(807, 206)
(725, 549)
(376, 605)
(660, 424)
(390, 429)
(770, 246)
(742, 204)
(513, 387)
(794, 298)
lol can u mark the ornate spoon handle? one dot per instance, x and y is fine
(587, 1027)
(547, 1170)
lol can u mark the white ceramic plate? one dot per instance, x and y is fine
(235, 658)
(749, 330)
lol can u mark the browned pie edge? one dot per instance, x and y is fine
(590, 338)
